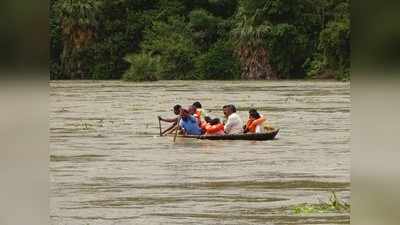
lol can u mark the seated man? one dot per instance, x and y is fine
(233, 125)
(189, 124)
(174, 121)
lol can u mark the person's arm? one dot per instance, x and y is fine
(228, 125)
(245, 129)
(203, 125)
(170, 128)
(257, 122)
(168, 120)
(246, 126)
(213, 129)
(181, 128)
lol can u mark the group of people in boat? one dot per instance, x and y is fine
(194, 120)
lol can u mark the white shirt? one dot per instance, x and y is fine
(234, 125)
(260, 128)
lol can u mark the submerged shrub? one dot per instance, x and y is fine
(334, 205)
(144, 67)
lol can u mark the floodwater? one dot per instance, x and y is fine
(109, 166)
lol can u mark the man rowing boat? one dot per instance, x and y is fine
(194, 112)
(174, 121)
(188, 124)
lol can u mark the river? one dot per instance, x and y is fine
(109, 166)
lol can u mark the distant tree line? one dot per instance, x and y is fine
(144, 40)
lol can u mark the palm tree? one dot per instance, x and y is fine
(249, 38)
(78, 24)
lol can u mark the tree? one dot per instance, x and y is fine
(78, 28)
(272, 39)
(171, 41)
(248, 36)
(219, 63)
(204, 27)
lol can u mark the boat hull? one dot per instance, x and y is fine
(249, 137)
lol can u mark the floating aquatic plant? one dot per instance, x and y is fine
(335, 204)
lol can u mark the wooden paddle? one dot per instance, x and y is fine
(177, 128)
(159, 125)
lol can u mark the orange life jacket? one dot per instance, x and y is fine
(197, 114)
(252, 124)
(197, 117)
(214, 129)
(203, 125)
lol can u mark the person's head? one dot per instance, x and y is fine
(177, 109)
(233, 108)
(192, 109)
(184, 113)
(215, 121)
(197, 105)
(252, 110)
(253, 114)
(207, 119)
(228, 110)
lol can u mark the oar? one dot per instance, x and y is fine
(159, 125)
(177, 128)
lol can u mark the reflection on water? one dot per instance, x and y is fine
(108, 165)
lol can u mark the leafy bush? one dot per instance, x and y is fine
(223, 8)
(343, 74)
(287, 62)
(333, 61)
(55, 71)
(108, 57)
(204, 27)
(219, 63)
(171, 41)
(318, 68)
(144, 67)
(109, 70)
(314, 67)
(335, 43)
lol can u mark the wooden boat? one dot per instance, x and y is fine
(269, 135)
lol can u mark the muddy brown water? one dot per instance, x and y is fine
(108, 165)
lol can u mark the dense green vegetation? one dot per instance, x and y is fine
(199, 39)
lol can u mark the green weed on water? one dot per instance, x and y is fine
(335, 204)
